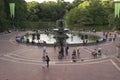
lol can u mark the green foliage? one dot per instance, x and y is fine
(39, 25)
(47, 11)
(32, 8)
(85, 14)
(69, 17)
(92, 13)
(84, 5)
(4, 23)
(97, 13)
(20, 14)
(77, 2)
(1, 13)
(78, 15)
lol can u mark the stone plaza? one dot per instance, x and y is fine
(24, 62)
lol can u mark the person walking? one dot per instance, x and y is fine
(44, 50)
(78, 52)
(47, 60)
(74, 52)
(54, 46)
(66, 50)
(74, 56)
(43, 62)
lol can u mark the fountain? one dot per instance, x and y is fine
(60, 36)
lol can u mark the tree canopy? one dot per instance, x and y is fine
(20, 14)
(78, 13)
(93, 13)
(50, 11)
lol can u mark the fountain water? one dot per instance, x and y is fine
(59, 36)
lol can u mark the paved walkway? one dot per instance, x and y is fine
(22, 62)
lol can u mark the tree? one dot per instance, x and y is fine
(2, 15)
(97, 13)
(77, 2)
(78, 16)
(56, 10)
(4, 18)
(60, 1)
(20, 12)
(33, 9)
(87, 13)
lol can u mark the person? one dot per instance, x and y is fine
(86, 42)
(71, 37)
(114, 37)
(106, 35)
(44, 50)
(94, 53)
(78, 52)
(83, 42)
(97, 41)
(43, 61)
(59, 53)
(47, 60)
(74, 52)
(66, 50)
(99, 51)
(74, 56)
(62, 52)
(55, 46)
(110, 36)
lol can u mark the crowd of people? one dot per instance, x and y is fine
(45, 58)
(110, 36)
(96, 53)
(63, 51)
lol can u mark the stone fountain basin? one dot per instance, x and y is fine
(73, 40)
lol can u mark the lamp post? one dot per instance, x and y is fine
(12, 13)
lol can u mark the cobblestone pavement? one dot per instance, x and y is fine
(23, 62)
